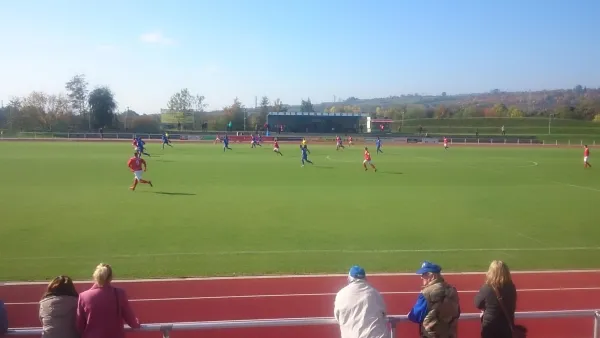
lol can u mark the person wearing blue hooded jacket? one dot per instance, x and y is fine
(437, 307)
(3, 319)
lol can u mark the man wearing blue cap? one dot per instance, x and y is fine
(437, 308)
(359, 308)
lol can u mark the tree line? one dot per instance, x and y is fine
(82, 109)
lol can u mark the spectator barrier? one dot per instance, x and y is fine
(243, 136)
(166, 329)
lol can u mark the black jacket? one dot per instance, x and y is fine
(494, 321)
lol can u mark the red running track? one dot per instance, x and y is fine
(312, 296)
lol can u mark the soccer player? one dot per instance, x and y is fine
(378, 145)
(134, 143)
(217, 139)
(445, 143)
(165, 140)
(226, 143)
(304, 150)
(276, 148)
(140, 147)
(338, 141)
(137, 166)
(349, 141)
(367, 160)
(303, 143)
(586, 157)
(258, 140)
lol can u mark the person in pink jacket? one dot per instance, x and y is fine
(103, 308)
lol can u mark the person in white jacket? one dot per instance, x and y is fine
(359, 308)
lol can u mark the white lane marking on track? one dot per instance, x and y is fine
(308, 276)
(325, 294)
(296, 252)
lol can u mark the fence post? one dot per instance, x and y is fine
(556, 142)
(518, 141)
(393, 323)
(596, 324)
(530, 141)
(569, 142)
(166, 330)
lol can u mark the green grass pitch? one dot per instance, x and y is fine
(66, 206)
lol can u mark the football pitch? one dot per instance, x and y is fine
(66, 206)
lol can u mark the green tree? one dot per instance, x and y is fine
(102, 107)
(235, 113)
(264, 111)
(77, 92)
(306, 106)
(278, 106)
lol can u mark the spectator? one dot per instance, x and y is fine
(498, 294)
(359, 308)
(58, 309)
(437, 308)
(3, 319)
(102, 309)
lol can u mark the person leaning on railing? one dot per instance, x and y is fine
(359, 308)
(102, 309)
(437, 308)
(497, 298)
(58, 309)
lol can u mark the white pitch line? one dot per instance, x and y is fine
(577, 186)
(308, 276)
(326, 294)
(304, 252)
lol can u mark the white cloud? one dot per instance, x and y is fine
(156, 38)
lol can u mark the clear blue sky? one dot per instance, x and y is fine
(147, 50)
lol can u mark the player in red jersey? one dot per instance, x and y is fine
(349, 141)
(368, 160)
(134, 143)
(445, 143)
(338, 143)
(137, 166)
(586, 157)
(276, 148)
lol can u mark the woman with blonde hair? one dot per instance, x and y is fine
(103, 308)
(58, 309)
(497, 298)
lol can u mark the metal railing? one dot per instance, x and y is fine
(166, 329)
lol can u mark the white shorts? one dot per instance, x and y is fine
(585, 159)
(446, 145)
(138, 174)
(367, 161)
(276, 149)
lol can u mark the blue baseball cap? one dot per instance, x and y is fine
(357, 272)
(429, 267)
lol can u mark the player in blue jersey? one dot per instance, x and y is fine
(226, 143)
(165, 140)
(140, 147)
(378, 145)
(304, 151)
